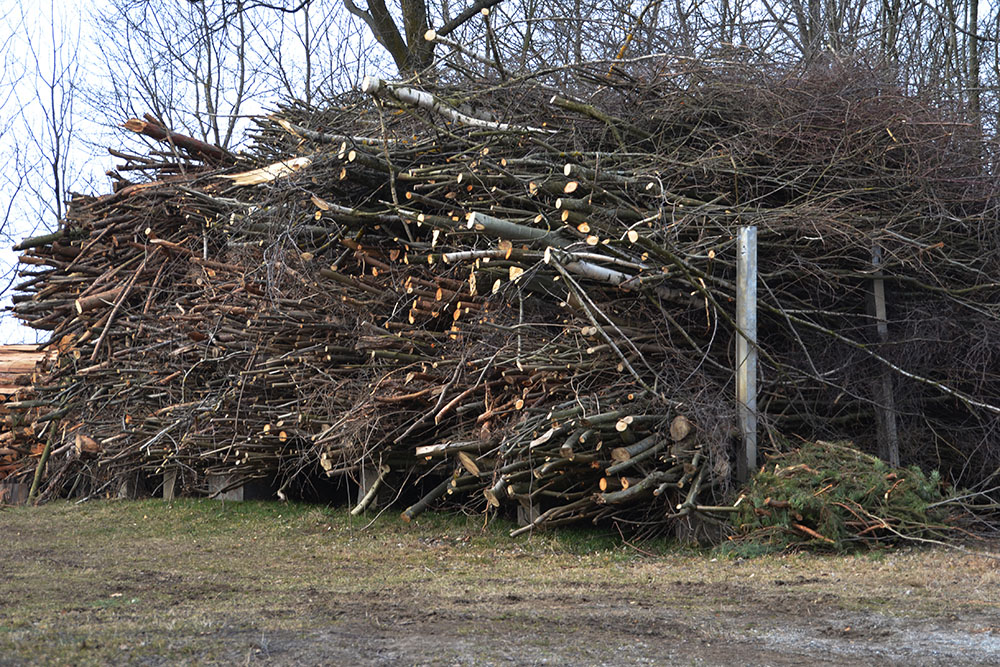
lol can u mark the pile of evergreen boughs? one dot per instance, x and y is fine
(829, 495)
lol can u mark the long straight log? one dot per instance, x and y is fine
(414, 510)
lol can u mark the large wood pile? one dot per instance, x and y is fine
(523, 292)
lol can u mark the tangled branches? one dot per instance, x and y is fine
(513, 292)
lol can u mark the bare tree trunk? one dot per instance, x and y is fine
(889, 32)
(972, 79)
(577, 32)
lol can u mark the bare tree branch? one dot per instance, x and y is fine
(466, 14)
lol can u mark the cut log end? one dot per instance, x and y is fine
(680, 428)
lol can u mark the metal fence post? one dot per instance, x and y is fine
(746, 347)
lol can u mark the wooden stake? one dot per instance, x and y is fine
(888, 437)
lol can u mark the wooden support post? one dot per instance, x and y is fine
(170, 483)
(217, 484)
(885, 411)
(127, 489)
(746, 348)
(220, 487)
(527, 512)
(133, 486)
(14, 493)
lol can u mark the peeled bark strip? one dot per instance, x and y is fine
(375, 86)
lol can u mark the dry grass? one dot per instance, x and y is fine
(202, 582)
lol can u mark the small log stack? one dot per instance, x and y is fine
(20, 367)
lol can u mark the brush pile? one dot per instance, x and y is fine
(829, 495)
(523, 291)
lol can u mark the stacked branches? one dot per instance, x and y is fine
(508, 292)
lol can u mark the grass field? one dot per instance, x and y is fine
(202, 582)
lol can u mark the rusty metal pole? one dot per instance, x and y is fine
(746, 348)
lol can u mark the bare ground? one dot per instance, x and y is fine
(196, 582)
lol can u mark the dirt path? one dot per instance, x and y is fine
(193, 583)
(689, 622)
(609, 635)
